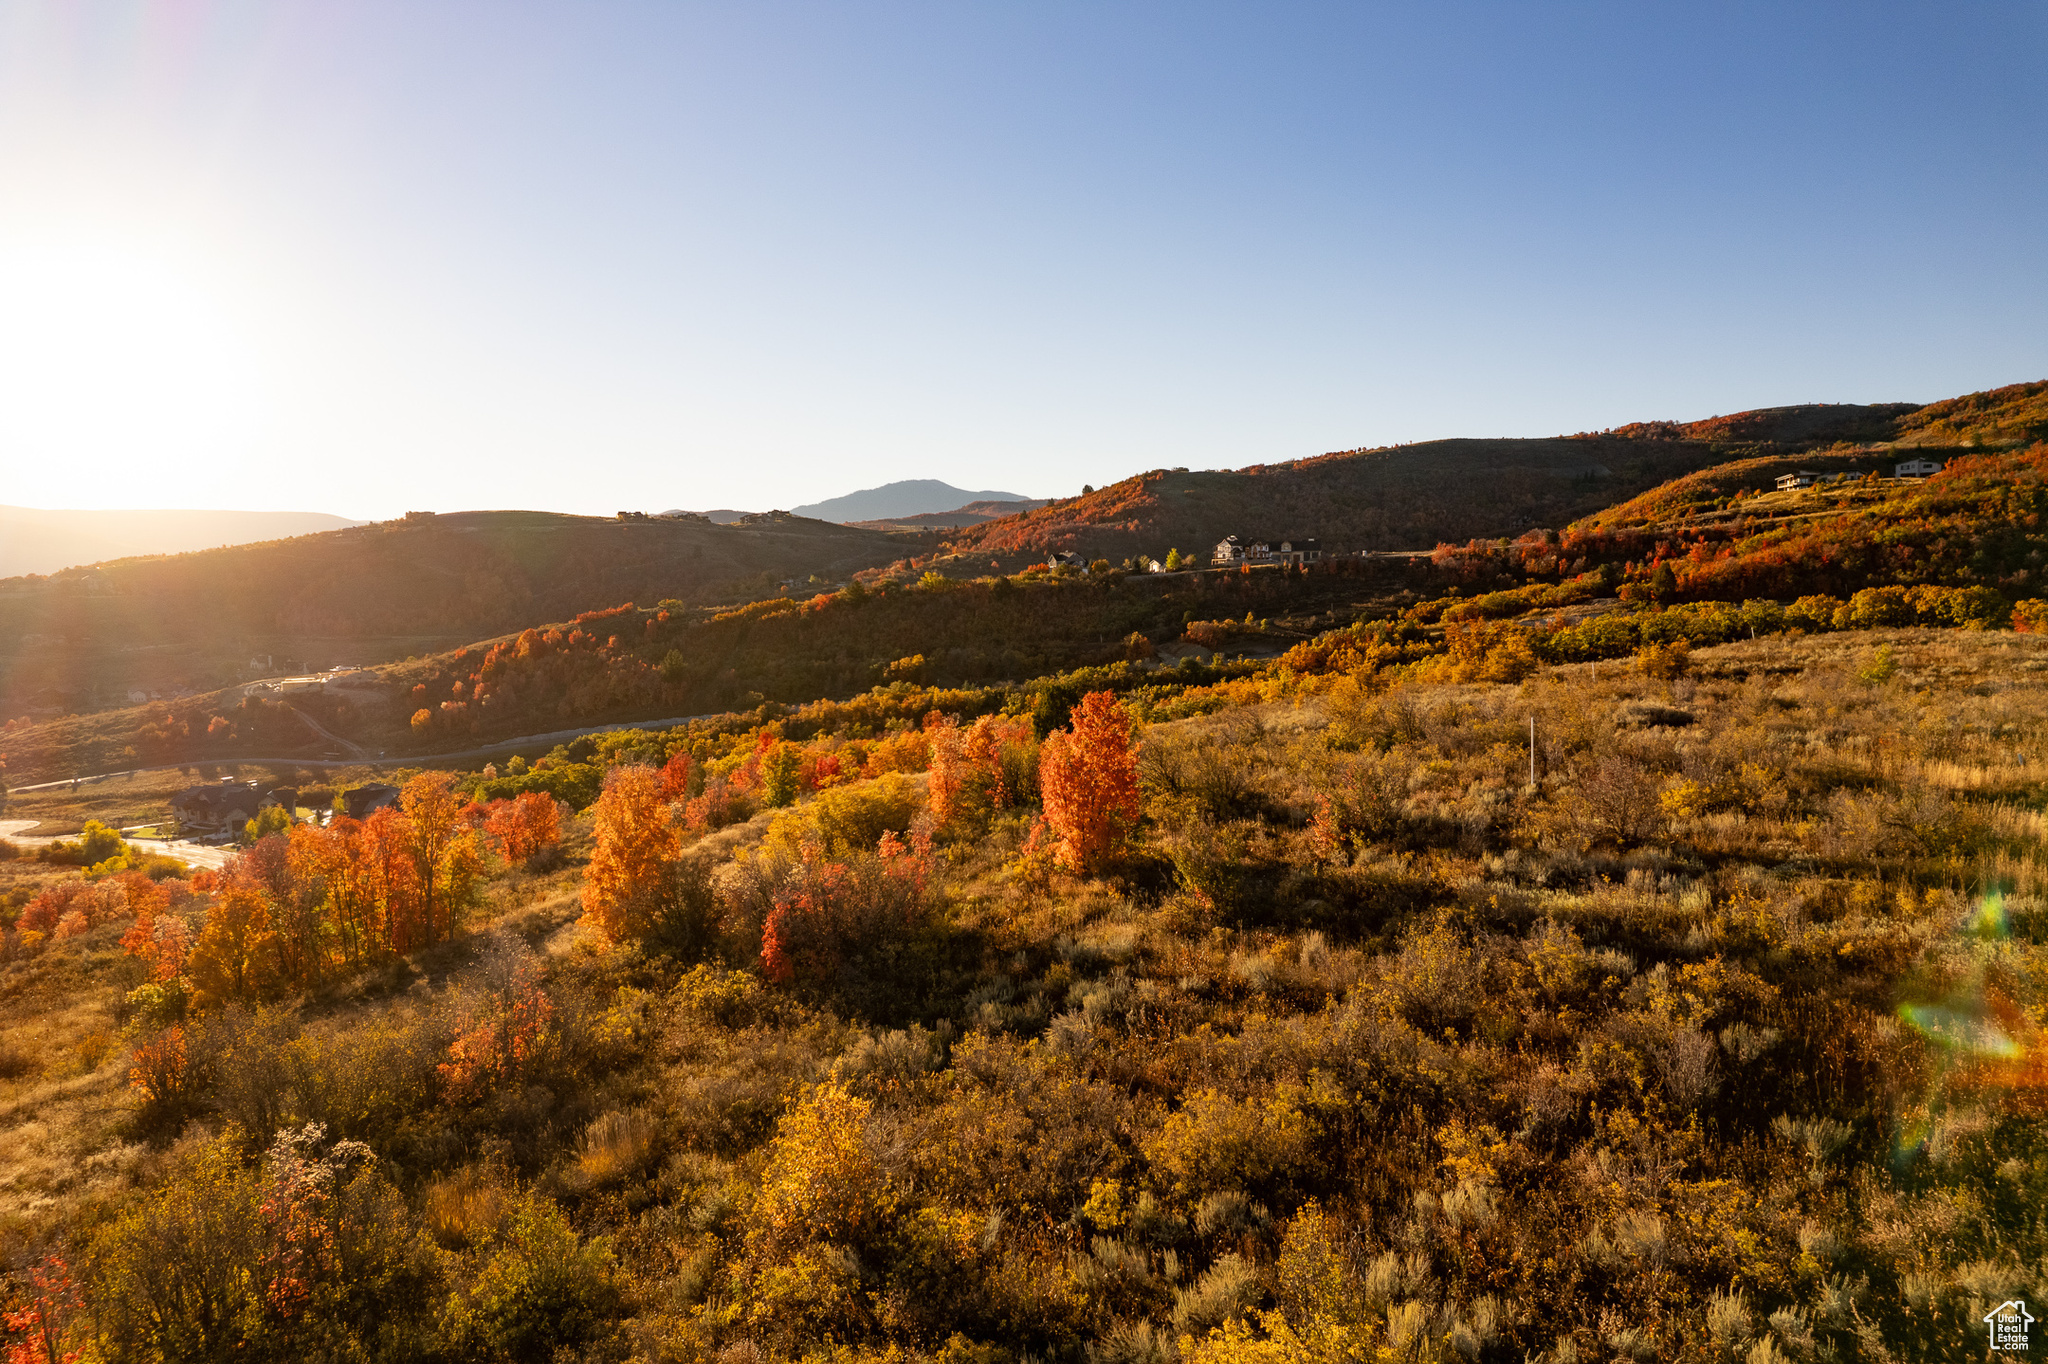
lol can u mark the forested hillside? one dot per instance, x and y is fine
(1966, 544)
(1416, 496)
(370, 594)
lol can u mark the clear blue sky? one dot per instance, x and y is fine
(365, 257)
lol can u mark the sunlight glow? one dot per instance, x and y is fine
(117, 347)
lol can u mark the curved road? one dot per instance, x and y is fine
(559, 736)
(209, 855)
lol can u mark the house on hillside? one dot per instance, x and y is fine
(1064, 558)
(1230, 550)
(223, 807)
(1916, 468)
(1805, 478)
(364, 801)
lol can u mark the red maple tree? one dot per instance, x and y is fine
(1088, 777)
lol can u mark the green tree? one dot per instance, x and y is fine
(271, 819)
(782, 772)
(1663, 584)
(97, 842)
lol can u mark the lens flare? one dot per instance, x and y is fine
(1982, 1044)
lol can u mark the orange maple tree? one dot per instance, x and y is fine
(1088, 778)
(524, 825)
(633, 864)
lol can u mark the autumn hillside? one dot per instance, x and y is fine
(1415, 496)
(82, 638)
(1623, 941)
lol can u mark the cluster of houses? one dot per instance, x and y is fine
(1229, 552)
(220, 809)
(1810, 478)
(350, 682)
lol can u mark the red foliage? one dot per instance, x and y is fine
(42, 1323)
(826, 913)
(523, 826)
(1089, 781)
(509, 1033)
(675, 777)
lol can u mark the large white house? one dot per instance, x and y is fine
(1916, 468)
(1231, 550)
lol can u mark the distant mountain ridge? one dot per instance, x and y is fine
(910, 497)
(973, 514)
(33, 540)
(1417, 496)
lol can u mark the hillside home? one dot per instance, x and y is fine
(364, 801)
(1066, 558)
(1916, 468)
(1231, 550)
(223, 807)
(1805, 478)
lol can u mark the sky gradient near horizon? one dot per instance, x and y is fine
(369, 257)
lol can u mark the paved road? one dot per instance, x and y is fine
(186, 851)
(560, 736)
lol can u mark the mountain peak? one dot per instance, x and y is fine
(906, 497)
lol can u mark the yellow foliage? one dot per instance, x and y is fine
(1273, 1341)
(1105, 1206)
(1684, 798)
(822, 1182)
(1217, 1142)
(1471, 1153)
(849, 818)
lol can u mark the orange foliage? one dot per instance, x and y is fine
(524, 825)
(160, 1073)
(967, 766)
(637, 849)
(504, 1041)
(445, 852)
(1089, 780)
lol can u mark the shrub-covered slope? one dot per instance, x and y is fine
(1720, 1039)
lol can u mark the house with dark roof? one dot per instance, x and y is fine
(223, 807)
(1231, 550)
(364, 801)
